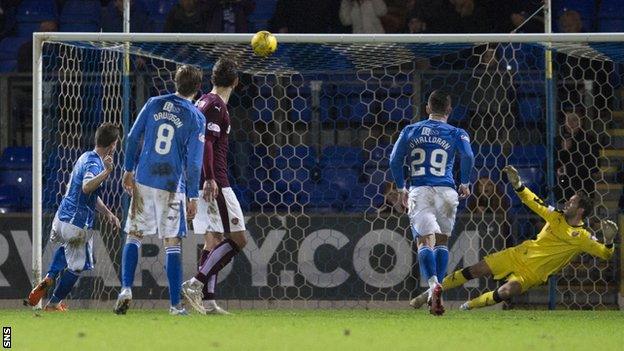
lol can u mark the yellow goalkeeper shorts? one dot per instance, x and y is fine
(505, 266)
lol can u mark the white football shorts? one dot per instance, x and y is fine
(157, 211)
(432, 210)
(78, 243)
(221, 215)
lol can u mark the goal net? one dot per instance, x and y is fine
(312, 129)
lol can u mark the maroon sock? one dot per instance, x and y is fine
(218, 258)
(209, 288)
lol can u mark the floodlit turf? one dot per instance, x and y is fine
(317, 330)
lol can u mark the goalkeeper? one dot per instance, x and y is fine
(531, 263)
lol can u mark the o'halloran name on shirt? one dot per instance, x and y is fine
(430, 140)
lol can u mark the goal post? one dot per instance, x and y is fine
(311, 133)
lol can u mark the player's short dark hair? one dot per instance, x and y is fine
(188, 80)
(106, 134)
(585, 202)
(224, 72)
(439, 102)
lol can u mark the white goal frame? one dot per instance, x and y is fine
(40, 38)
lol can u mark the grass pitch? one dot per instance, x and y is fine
(385, 330)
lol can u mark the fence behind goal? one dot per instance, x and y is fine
(312, 129)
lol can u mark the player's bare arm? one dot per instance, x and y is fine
(101, 207)
(89, 186)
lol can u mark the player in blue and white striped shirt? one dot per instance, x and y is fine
(429, 147)
(73, 224)
(166, 175)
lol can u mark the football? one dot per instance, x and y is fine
(264, 43)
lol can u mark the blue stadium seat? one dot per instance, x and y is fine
(611, 25)
(158, 10)
(81, 16)
(341, 157)
(301, 110)
(36, 11)
(16, 158)
(362, 199)
(528, 155)
(9, 199)
(379, 157)
(530, 110)
(26, 29)
(342, 178)
(295, 157)
(488, 155)
(288, 179)
(264, 108)
(259, 18)
(8, 53)
(323, 197)
(458, 114)
(611, 9)
(398, 108)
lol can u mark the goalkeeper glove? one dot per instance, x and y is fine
(513, 176)
(609, 231)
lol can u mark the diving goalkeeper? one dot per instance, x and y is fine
(531, 263)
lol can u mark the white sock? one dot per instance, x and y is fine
(433, 281)
(194, 281)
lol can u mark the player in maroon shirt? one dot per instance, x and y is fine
(218, 211)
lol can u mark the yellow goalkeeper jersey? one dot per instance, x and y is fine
(557, 243)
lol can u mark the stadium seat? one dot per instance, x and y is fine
(398, 108)
(8, 52)
(359, 200)
(530, 110)
(9, 199)
(611, 9)
(36, 11)
(264, 108)
(611, 25)
(259, 18)
(528, 155)
(244, 197)
(295, 157)
(488, 155)
(459, 114)
(340, 178)
(323, 197)
(378, 157)
(81, 16)
(16, 158)
(341, 157)
(288, 179)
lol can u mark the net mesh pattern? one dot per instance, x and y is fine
(312, 130)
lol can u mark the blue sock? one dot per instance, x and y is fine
(441, 254)
(59, 263)
(129, 259)
(173, 265)
(64, 286)
(427, 262)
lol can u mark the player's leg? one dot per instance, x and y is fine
(58, 264)
(446, 203)
(455, 279)
(461, 276)
(226, 217)
(171, 218)
(510, 288)
(141, 221)
(211, 240)
(76, 243)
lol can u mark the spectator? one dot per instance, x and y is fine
(577, 158)
(395, 20)
(188, 16)
(112, 17)
(24, 53)
(469, 17)
(363, 15)
(487, 198)
(304, 16)
(229, 16)
(416, 23)
(570, 22)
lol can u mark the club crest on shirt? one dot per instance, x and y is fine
(575, 234)
(235, 221)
